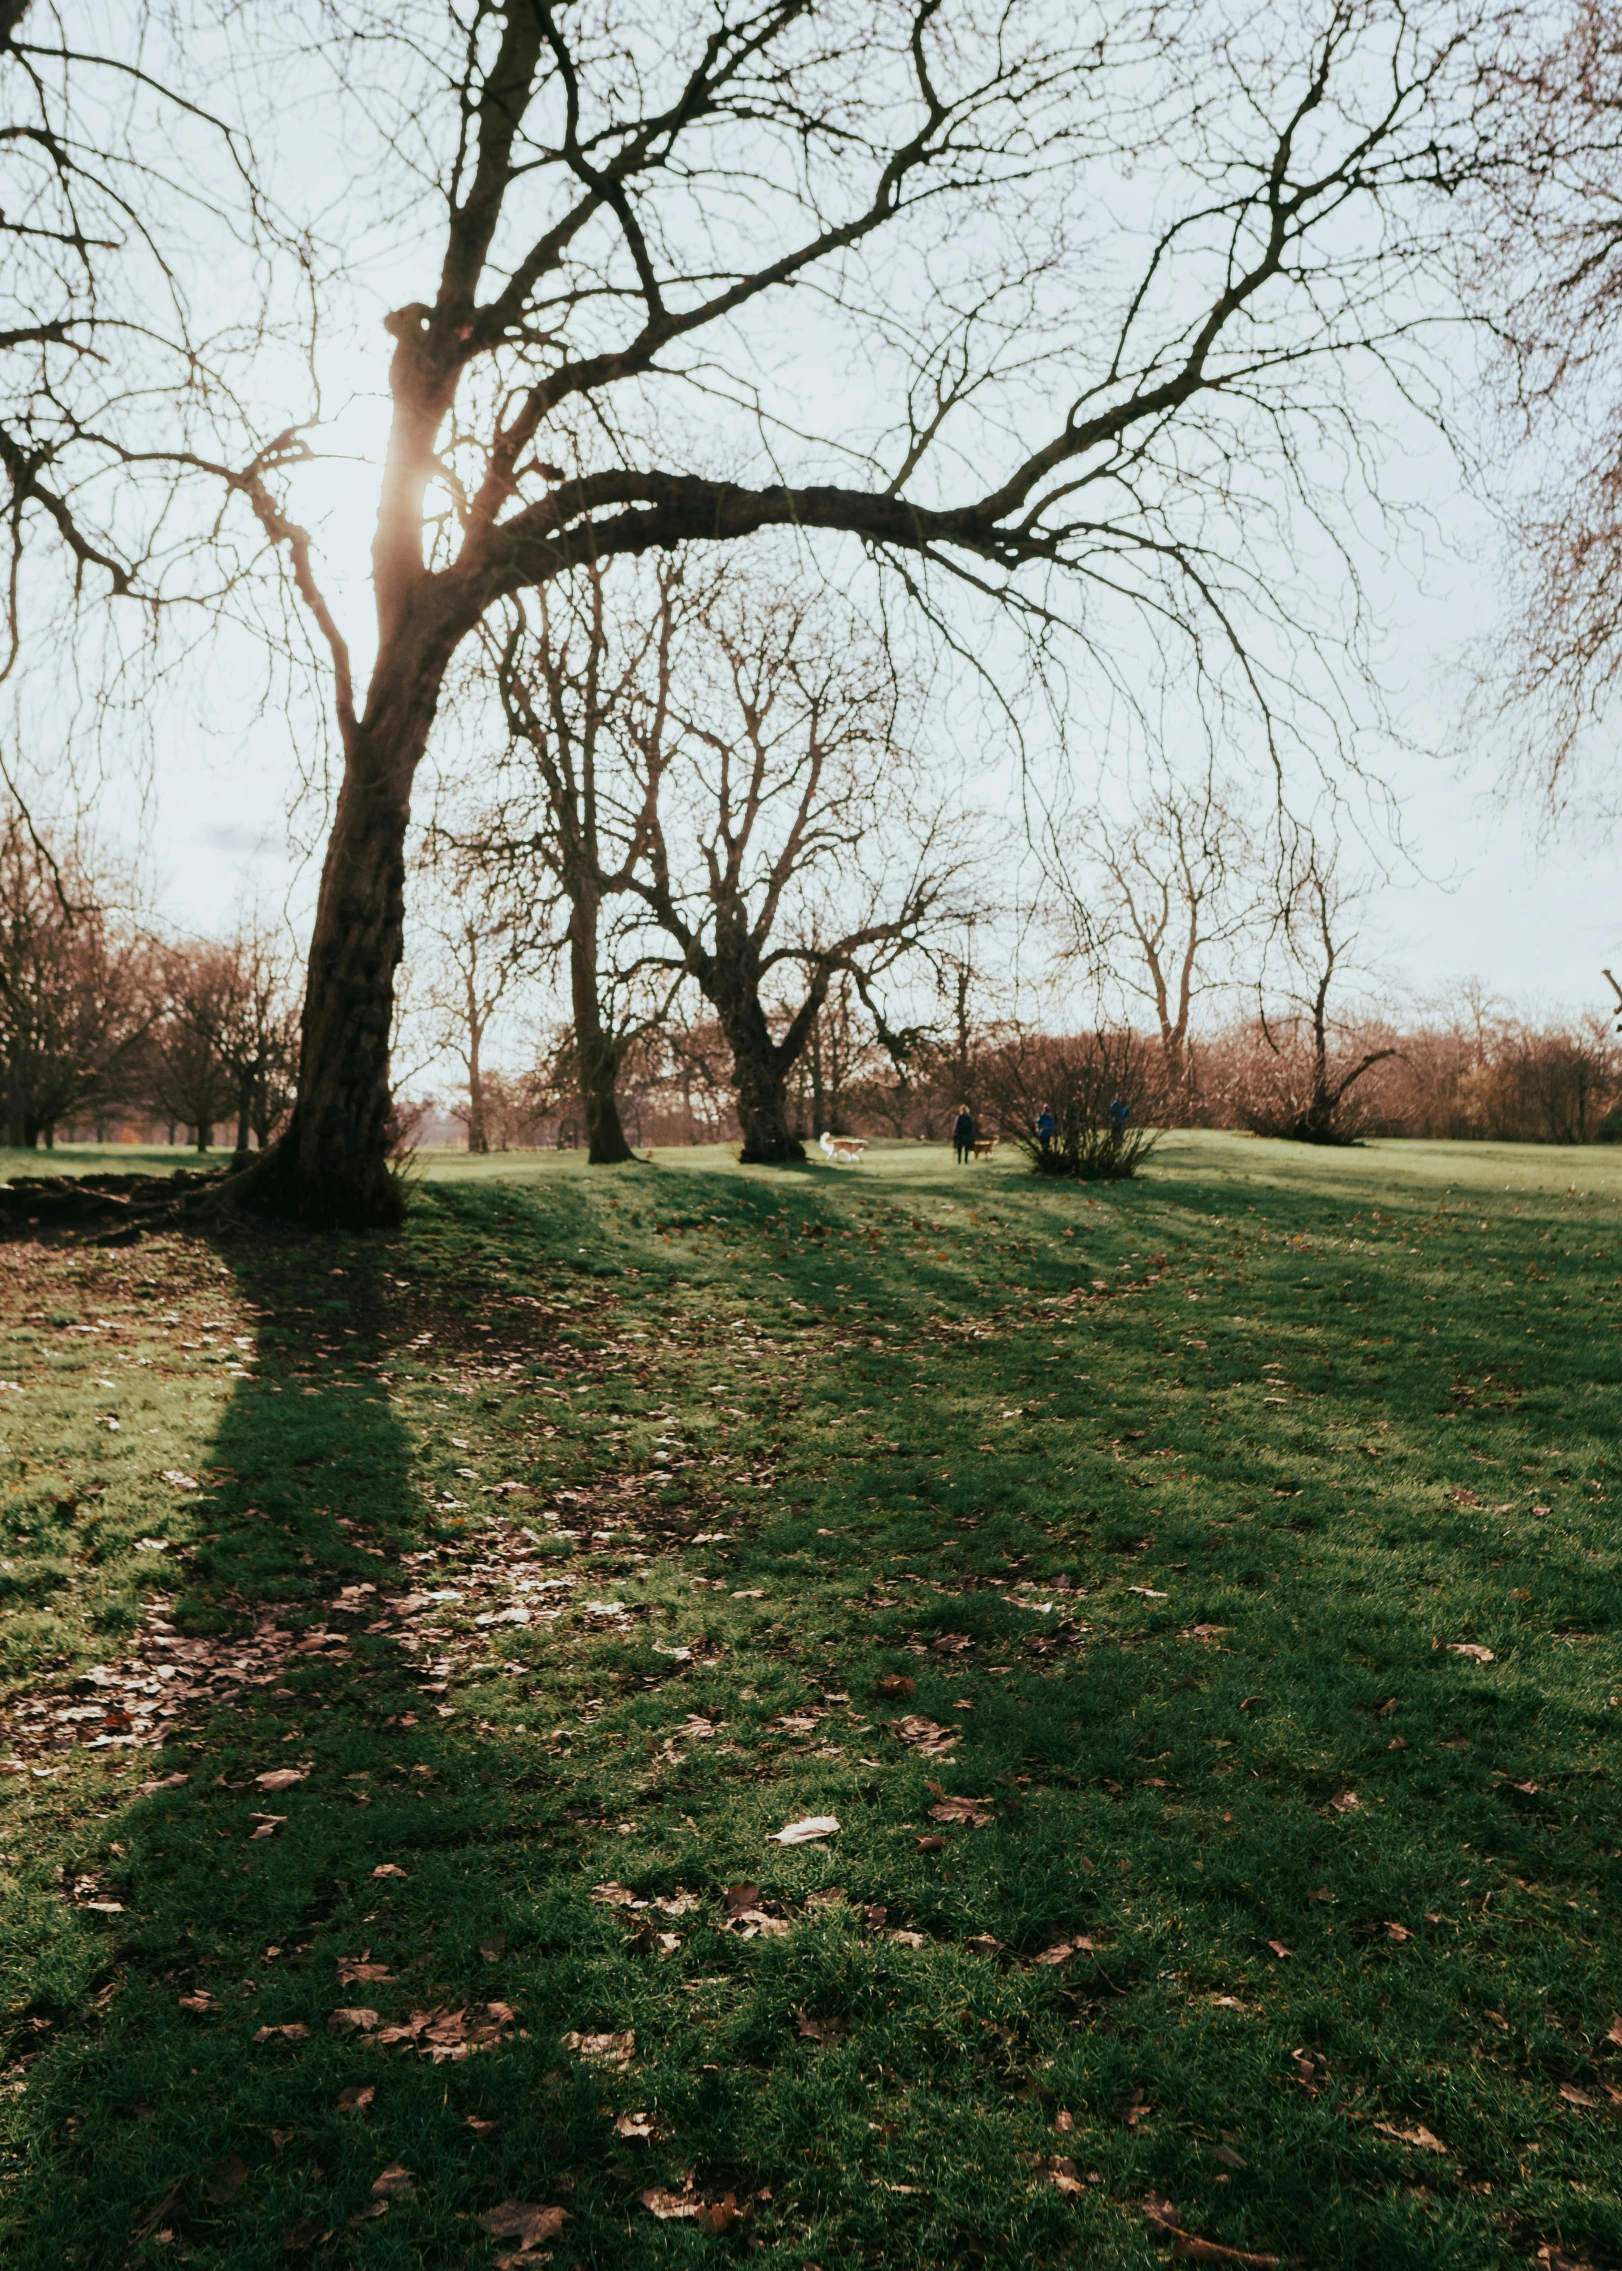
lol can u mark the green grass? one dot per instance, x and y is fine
(1176, 1501)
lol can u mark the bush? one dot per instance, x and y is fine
(1105, 1091)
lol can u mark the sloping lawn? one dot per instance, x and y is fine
(1195, 1601)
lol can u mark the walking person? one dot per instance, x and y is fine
(963, 1134)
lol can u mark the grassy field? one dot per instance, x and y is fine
(1195, 1601)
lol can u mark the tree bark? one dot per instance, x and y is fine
(596, 1055)
(330, 1167)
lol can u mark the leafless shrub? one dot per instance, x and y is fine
(1105, 1094)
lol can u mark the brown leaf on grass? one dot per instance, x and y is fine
(984, 1944)
(169, 1782)
(1062, 1950)
(309, 2231)
(1397, 1932)
(614, 1896)
(1424, 2139)
(1063, 2174)
(738, 1898)
(294, 2032)
(281, 1777)
(395, 2183)
(924, 1736)
(482, 2128)
(160, 2209)
(1229, 2158)
(1279, 1949)
(930, 1844)
(525, 2221)
(1613, 2032)
(670, 2206)
(636, 2125)
(1574, 2096)
(720, 2215)
(1345, 1802)
(818, 2030)
(613, 2052)
(356, 2097)
(1473, 1649)
(198, 2000)
(909, 1939)
(895, 1683)
(806, 1832)
(1064, 2121)
(354, 1971)
(269, 1824)
(354, 2020)
(1551, 2259)
(387, 1869)
(969, 1810)
(494, 1948)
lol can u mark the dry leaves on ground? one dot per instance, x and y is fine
(352, 2019)
(280, 1778)
(355, 2097)
(963, 1810)
(526, 2221)
(613, 2052)
(1426, 2140)
(807, 1831)
(444, 2033)
(1061, 1950)
(1063, 2174)
(1473, 1649)
(295, 2031)
(924, 1736)
(895, 1683)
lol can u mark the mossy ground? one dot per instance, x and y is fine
(1177, 1502)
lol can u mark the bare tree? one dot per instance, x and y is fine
(1170, 894)
(1302, 1084)
(237, 1002)
(775, 852)
(79, 987)
(627, 202)
(483, 939)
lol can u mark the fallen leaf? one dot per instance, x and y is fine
(482, 2128)
(225, 2179)
(169, 1782)
(352, 1971)
(1064, 2121)
(1473, 1649)
(269, 1824)
(804, 1832)
(1063, 2174)
(818, 2030)
(1062, 1950)
(895, 1683)
(719, 2215)
(356, 2096)
(969, 1810)
(1398, 1932)
(388, 1869)
(198, 2000)
(1229, 2158)
(671, 2206)
(296, 2032)
(1419, 2135)
(525, 2221)
(984, 1944)
(637, 2125)
(614, 1896)
(280, 1778)
(930, 1844)
(1574, 2096)
(1613, 2032)
(908, 1939)
(356, 2021)
(1279, 1949)
(924, 1736)
(1345, 1802)
(395, 2183)
(612, 2051)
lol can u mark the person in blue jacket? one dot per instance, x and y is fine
(1044, 1126)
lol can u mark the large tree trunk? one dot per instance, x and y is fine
(331, 1164)
(760, 1074)
(244, 1117)
(595, 1053)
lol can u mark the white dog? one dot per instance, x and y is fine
(844, 1151)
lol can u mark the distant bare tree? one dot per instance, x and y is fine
(777, 850)
(237, 1000)
(79, 984)
(482, 939)
(1171, 892)
(1302, 1080)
